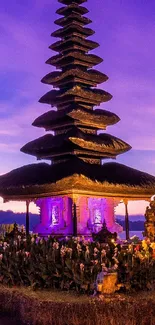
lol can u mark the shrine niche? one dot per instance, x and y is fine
(55, 216)
(150, 221)
(96, 214)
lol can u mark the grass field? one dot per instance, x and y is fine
(62, 308)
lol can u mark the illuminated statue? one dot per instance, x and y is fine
(150, 221)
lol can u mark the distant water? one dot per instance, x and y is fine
(139, 234)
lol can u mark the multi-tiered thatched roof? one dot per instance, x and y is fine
(77, 177)
(75, 97)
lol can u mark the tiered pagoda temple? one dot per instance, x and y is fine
(77, 192)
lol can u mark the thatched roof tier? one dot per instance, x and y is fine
(67, 105)
(68, 150)
(76, 115)
(74, 59)
(73, 43)
(72, 8)
(76, 94)
(71, 19)
(73, 76)
(68, 2)
(70, 81)
(50, 145)
(76, 177)
(74, 30)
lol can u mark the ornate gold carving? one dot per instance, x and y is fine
(75, 185)
(91, 160)
(150, 221)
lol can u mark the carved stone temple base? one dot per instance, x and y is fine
(57, 217)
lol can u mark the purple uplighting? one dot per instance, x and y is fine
(56, 216)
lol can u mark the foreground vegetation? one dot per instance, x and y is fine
(67, 271)
(74, 263)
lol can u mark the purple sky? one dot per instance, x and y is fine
(125, 31)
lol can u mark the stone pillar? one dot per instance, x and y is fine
(74, 218)
(82, 216)
(27, 218)
(126, 220)
(45, 210)
(45, 205)
(109, 215)
(67, 215)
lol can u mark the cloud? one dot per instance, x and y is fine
(4, 147)
(21, 47)
(133, 206)
(16, 130)
(17, 206)
(18, 126)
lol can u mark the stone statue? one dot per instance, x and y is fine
(150, 221)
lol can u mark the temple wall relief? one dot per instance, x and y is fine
(55, 216)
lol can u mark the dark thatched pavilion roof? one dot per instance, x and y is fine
(110, 179)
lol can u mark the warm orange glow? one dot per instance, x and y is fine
(17, 206)
(134, 207)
